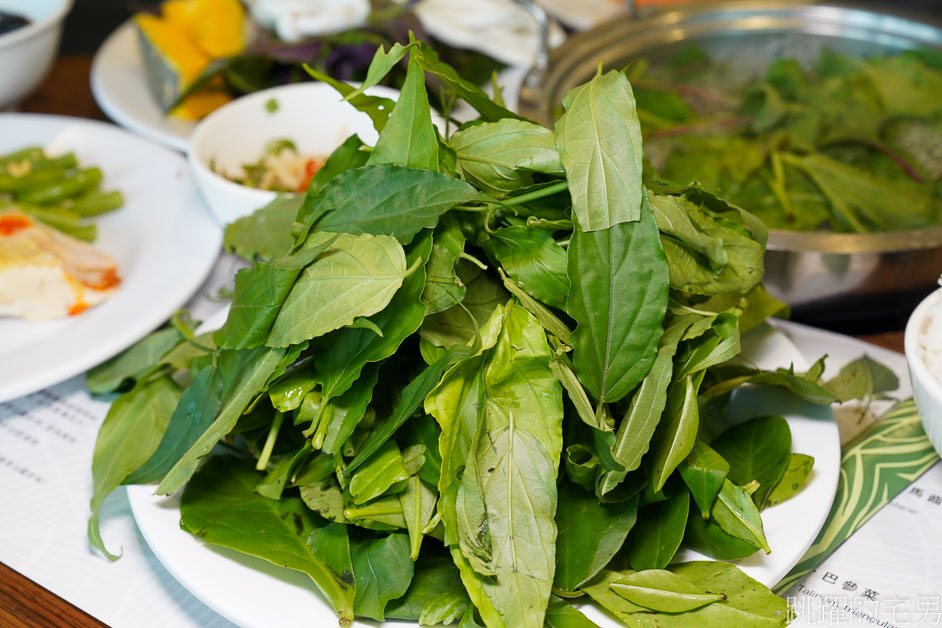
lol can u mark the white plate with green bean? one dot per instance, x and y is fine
(163, 240)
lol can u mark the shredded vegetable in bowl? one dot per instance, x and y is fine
(281, 168)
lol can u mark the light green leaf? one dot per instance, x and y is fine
(664, 591)
(599, 141)
(356, 276)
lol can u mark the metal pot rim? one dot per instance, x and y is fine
(851, 243)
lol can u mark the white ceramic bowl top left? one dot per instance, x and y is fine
(27, 53)
(926, 388)
(312, 115)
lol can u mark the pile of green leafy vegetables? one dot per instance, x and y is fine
(473, 374)
(848, 145)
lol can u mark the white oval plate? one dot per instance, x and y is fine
(119, 86)
(164, 242)
(256, 594)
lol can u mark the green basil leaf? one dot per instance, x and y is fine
(618, 296)
(533, 259)
(759, 450)
(677, 432)
(599, 141)
(356, 276)
(265, 233)
(244, 383)
(132, 362)
(129, 435)
(219, 505)
(704, 471)
(381, 471)
(796, 474)
(443, 288)
(409, 137)
(383, 572)
(385, 199)
(589, 534)
(659, 531)
(664, 591)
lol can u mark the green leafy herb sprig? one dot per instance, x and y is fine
(849, 145)
(470, 375)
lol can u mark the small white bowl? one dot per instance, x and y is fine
(312, 115)
(926, 388)
(27, 53)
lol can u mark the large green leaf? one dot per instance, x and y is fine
(499, 156)
(747, 603)
(703, 471)
(378, 473)
(443, 288)
(589, 534)
(435, 575)
(658, 533)
(644, 413)
(383, 572)
(708, 253)
(677, 432)
(618, 296)
(757, 450)
(266, 233)
(409, 138)
(132, 362)
(259, 294)
(344, 352)
(127, 438)
(220, 506)
(599, 140)
(356, 276)
(385, 199)
(195, 411)
(665, 591)
(533, 259)
(247, 383)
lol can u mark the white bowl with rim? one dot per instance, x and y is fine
(27, 53)
(927, 387)
(312, 115)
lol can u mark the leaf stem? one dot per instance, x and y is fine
(270, 441)
(549, 190)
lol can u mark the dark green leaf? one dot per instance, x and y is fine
(385, 199)
(618, 296)
(383, 572)
(533, 259)
(220, 507)
(589, 534)
(663, 591)
(127, 438)
(132, 362)
(658, 533)
(759, 450)
(703, 471)
(409, 138)
(266, 233)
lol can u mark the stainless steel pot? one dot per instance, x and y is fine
(826, 277)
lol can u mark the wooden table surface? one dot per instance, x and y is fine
(23, 603)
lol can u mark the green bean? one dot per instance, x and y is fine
(30, 152)
(95, 202)
(37, 178)
(62, 219)
(77, 184)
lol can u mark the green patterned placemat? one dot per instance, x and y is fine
(875, 468)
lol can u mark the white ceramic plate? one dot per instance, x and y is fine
(253, 593)
(120, 89)
(163, 240)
